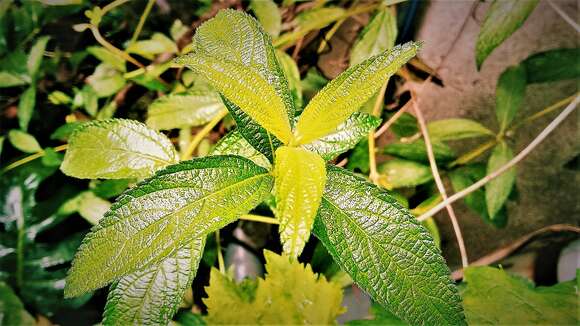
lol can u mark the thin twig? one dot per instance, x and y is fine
(142, 20)
(377, 108)
(30, 158)
(564, 15)
(439, 183)
(555, 123)
(392, 120)
(259, 218)
(201, 134)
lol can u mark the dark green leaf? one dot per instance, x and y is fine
(503, 18)
(359, 159)
(109, 188)
(312, 83)
(398, 173)
(405, 126)
(184, 201)
(386, 251)
(509, 95)
(51, 157)
(417, 151)
(498, 190)
(26, 106)
(346, 136)
(152, 295)
(492, 296)
(12, 311)
(553, 65)
(63, 132)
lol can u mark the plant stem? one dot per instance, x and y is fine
(220, 256)
(259, 218)
(377, 108)
(142, 21)
(31, 158)
(545, 111)
(112, 5)
(392, 120)
(439, 183)
(112, 48)
(474, 153)
(555, 123)
(564, 16)
(201, 134)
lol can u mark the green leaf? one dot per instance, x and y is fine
(378, 36)
(11, 79)
(466, 176)
(35, 56)
(148, 49)
(397, 173)
(2, 143)
(503, 18)
(292, 74)
(386, 251)
(108, 57)
(455, 128)
(109, 188)
(553, 65)
(220, 38)
(63, 132)
(381, 317)
(116, 149)
(498, 190)
(358, 160)
(13, 70)
(106, 80)
(246, 89)
(148, 222)
(235, 144)
(23, 141)
(178, 29)
(51, 157)
(92, 208)
(290, 294)
(310, 20)
(312, 83)
(88, 99)
(509, 95)
(268, 15)
(405, 125)
(194, 108)
(299, 181)
(152, 295)
(494, 297)
(12, 311)
(26, 106)
(416, 151)
(346, 136)
(349, 91)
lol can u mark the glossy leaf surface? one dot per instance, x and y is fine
(509, 95)
(385, 251)
(235, 144)
(503, 18)
(349, 91)
(116, 149)
(494, 297)
(456, 128)
(299, 181)
(346, 136)
(498, 190)
(148, 222)
(194, 108)
(152, 295)
(290, 294)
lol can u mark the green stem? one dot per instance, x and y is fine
(377, 108)
(30, 158)
(112, 5)
(259, 218)
(112, 48)
(142, 21)
(201, 134)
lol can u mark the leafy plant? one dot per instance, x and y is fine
(162, 222)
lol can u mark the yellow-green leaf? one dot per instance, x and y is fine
(498, 190)
(300, 178)
(23, 141)
(116, 149)
(454, 129)
(378, 36)
(268, 14)
(349, 91)
(246, 89)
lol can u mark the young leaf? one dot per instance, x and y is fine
(158, 44)
(194, 108)
(386, 251)
(509, 95)
(416, 151)
(116, 149)
(35, 56)
(152, 295)
(268, 15)
(221, 37)
(108, 57)
(92, 208)
(503, 18)
(246, 89)
(378, 36)
(23, 141)
(455, 128)
(310, 20)
(397, 173)
(553, 65)
(106, 80)
(346, 136)
(292, 74)
(349, 91)
(12, 310)
(290, 294)
(498, 190)
(492, 296)
(147, 223)
(299, 181)
(235, 144)
(26, 107)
